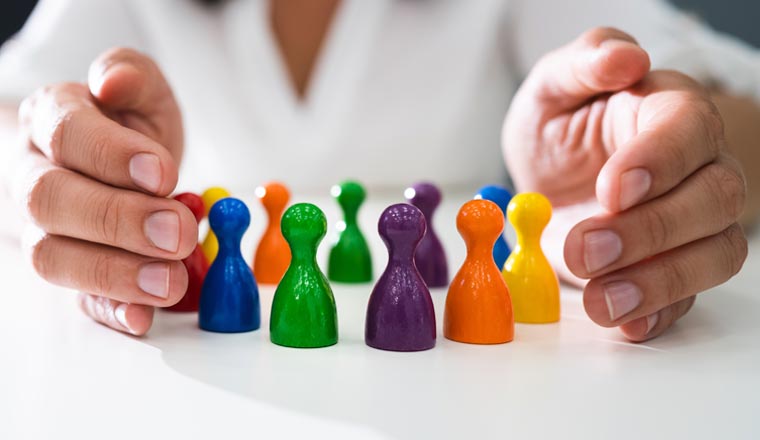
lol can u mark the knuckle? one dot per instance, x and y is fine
(734, 249)
(43, 194)
(728, 186)
(100, 275)
(677, 277)
(41, 252)
(657, 226)
(107, 217)
(59, 131)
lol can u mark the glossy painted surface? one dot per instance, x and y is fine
(272, 253)
(531, 279)
(210, 243)
(569, 380)
(501, 196)
(400, 313)
(350, 260)
(230, 296)
(478, 305)
(430, 256)
(196, 264)
(304, 314)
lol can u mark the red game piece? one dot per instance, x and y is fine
(196, 263)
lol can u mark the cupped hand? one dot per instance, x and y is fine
(635, 163)
(97, 164)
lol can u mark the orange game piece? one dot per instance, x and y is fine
(478, 305)
(273, 253)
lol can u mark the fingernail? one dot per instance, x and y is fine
(162, 229)
(600, 249)
(153, 278)
(652, 321)
(120, 312)
(634, 185)
(621, 298)
(145, 170)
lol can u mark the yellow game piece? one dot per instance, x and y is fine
(531, 279)
(210, 245)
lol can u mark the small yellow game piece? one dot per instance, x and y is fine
(210, 245)
(531, 279)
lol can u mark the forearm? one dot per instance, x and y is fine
(741, 118)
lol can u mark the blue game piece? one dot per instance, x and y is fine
(230, 297)
(501, 196)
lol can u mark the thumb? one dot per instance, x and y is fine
(601, 60)
(129, 86)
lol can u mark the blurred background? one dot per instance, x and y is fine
(737, 17)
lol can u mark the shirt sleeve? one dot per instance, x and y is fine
(674, 39)
(60, 40)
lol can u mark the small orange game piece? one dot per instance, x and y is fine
(272, 256)
(478, 305)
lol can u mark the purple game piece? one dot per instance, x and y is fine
(400, 314)
(430, 257)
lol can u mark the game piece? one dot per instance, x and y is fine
(430, 257)
(195, 263)
(210, 244)
(531, 279)
(350, 260)
(478, 305)
(400, 314)
(230, 297)
(501, 196)
(303, 307)
(272, 254)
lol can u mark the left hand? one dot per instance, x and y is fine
(597, 132)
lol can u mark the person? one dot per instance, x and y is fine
(642, 164)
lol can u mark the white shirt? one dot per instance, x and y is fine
(403, 90)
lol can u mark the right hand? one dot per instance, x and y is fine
(98, 161)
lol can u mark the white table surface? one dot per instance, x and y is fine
(64, 376)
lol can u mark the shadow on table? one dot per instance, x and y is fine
(408, 395)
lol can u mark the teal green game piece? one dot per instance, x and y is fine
(350, 260)
(303, 308)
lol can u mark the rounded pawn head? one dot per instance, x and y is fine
(480, 222)
(194, 202)
(349, 194)
(424, 195)
(229, 218)
(274, 196)
(213, 195)
(497, 194)
(303, 224)
(401, 227)
(529, 213)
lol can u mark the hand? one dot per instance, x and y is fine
(97, 164)
(642, 153)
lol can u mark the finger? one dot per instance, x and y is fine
(63, 202)
(65, 125)
(131, 85)
(601, 60)
(679, 131)
(714, 195)
(135, 319)
(654, 325)
(653, 284)
(112, 273)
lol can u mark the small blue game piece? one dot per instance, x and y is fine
(230, 296)
(501, 196)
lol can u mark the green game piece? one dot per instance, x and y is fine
(303, 308)
(350, 260)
